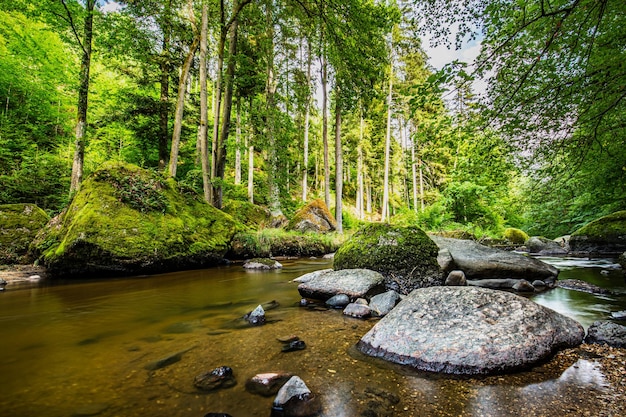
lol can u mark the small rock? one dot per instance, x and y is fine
(34, 277)
(606, 332)
(456, 278)
(523, 286)
(295, 399)
(221, 377)
(358, 311)
(262, 264)
(338, 301)
(361, 301)
(256, 317)
(382, 304)
(538, 283)
(288, 339)
(267, 384)
(329, 256)
(619, 315)
(295, 345)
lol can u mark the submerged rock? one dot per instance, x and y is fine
(294, 345)
(405, 256)
(482, 262)
(583, 286)
(256, 317)
(125, 220)
(354, 283)
(19, 224)
(338, 301)
(295, 399)
(608, 333)
(469, 330)
(221, 377)
(267, 384)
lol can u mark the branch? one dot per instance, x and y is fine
(70, 20)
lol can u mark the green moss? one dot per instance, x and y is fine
(406, 256)
(277, 242)
(314, 217)
(247, 213)
(106, 231)
(610, 226)
(19, 224)
(516, 236)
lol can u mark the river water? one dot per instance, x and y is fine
(88, 349)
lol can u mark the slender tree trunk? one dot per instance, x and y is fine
(359, 169)
(307, 115)
(217, 111)
(414, 175)
(338, 167)
(165, 86)
(369, 196)
(180, 102)
(238, 143)
(220, 161)
(251, 174)
(204, 108)
(325, 130)
(274, 191)
(421, 186)
(385, 208)
(83, 95)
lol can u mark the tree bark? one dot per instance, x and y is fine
(359, 175)
(385, 208)
(324, 70)
(338, 168)
(83, 95)
(270, 91)
(180, 102)
(165, 86)
(307, 115)
(238, 143)
(204, 108)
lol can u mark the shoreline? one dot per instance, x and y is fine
(22, 273)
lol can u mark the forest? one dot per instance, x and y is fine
(278, 102)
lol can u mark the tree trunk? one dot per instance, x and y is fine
(238, 143)
(414, 175)
(307, 115)
(270, 90)
(165, 86)
(180, 102)
(325, 131)
(220, 160)
(83, 95)
(204, 108)
(338, 168)
(385, 208)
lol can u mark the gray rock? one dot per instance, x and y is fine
(354, 283)
(619, 315)
(362, 301)
(267, 384)
(444, 259)
(479, 261)
(358, 311)
(382, 304)
(221, 377)
(495, 284)
(456, 278)
(544, 246)
(606, 235)
(262, 264)
(606, 332)
(538, 283)
(469, 330)
(338, 301)
(583, 286)
(311, 275)
(523, 286)
(295, 399)
(256, 317)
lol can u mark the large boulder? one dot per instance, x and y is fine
(406, 256)
(469, 330)
(544, 246)
(19, 224)
(478, 261)
(314, 217)
(606, 235)
(355, 283)
(125, 220)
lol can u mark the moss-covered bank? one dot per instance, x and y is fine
(127, 220)
(19, 224)
(606, 235)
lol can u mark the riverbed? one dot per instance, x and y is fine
(89, 348)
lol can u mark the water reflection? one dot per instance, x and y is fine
(85, 348)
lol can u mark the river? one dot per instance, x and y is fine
(85, 348)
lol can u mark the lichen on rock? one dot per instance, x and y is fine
(127, 220)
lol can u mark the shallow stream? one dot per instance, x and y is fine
(87, 349)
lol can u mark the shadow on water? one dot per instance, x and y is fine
(132, 347)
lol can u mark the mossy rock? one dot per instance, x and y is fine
(405, 256)
(247, 213)
(126, 220)
(19, 224)
(314, 217)
(515, 236)
(249, 244)
(606, 235)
